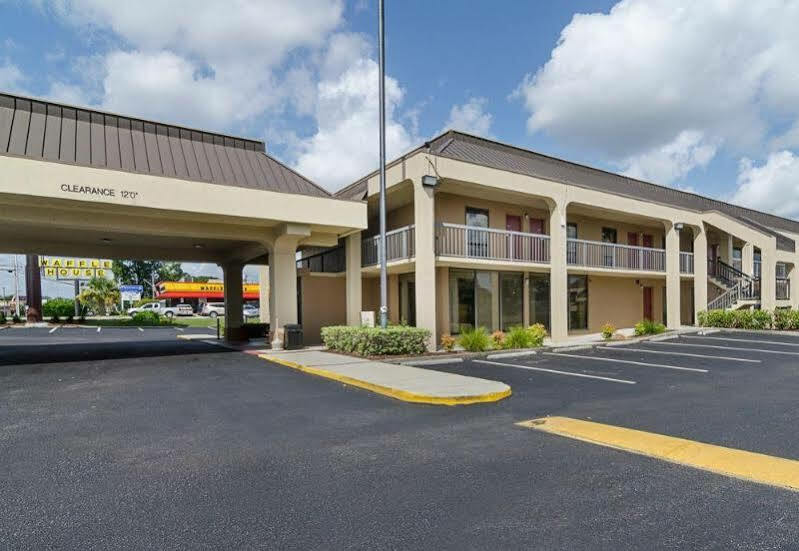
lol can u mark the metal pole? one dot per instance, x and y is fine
(16, 288)
(382, 249)
(77, 293)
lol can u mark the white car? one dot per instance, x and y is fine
(251, 311)
(213, 309)
(163, 309)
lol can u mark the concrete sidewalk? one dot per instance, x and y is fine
(403, 382)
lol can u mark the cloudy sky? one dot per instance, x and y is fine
(697, 95)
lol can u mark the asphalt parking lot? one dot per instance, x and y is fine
(200, 448)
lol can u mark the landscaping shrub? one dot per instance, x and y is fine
(149, 319)
(3, 317)
(649, 327)
(61, 307)
(375, 341)
(475, 340)
(498, 339)
(517, 337)
(537, 333)
(607, 331)
(55, 319)
(749, 319)
(16, 319)
(448, 342)
(71, 318)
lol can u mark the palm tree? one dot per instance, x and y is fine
(100, 294)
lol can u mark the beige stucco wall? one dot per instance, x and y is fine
(620, 301)
(452, 209)
(323, 303)
(590, 228)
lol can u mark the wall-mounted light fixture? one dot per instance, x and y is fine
(678, 226)
(429, 180)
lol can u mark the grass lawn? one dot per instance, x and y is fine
(127, 321)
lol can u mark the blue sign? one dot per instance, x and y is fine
(131, 289)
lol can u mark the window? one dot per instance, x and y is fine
(757, 264)
(737, 261)
(511, 292)
(461, 300)
(571, 248)
(477, 239)
(578, 302)
(608, 252)
(782, 270)
(539, 299)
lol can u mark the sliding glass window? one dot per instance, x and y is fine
(578, 302)
(539, 299)
(491, 300)
(512, 300)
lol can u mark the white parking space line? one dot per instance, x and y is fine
(756, 341)
(53, 329)
(556, 372)
(140, 329)
(686, 354)
(720, 347)
(629, 362)
(180, 328)
(99, 329)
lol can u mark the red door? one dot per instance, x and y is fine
(712, 256)
(648, 303)
(537, 225)
(649, 242)
(514, 223)
(634, 255)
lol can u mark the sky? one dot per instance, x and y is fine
(702, 96)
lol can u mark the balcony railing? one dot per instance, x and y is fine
(595, 254)
(686, 263)
(783, 288)
(490, 244)
(329, 261)
(400, 245)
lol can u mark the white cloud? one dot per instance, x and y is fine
(11, 77)
(672, 161)
(635, 80)
(772, 186)
(470, 117)
(202, 63)
(345, 145)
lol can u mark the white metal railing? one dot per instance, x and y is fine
(400, 245)
(686, 263)
(726, 299)
(597, 254)
(490, 244)
(783, 288)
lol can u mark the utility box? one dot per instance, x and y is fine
(368, 319)
(292, 336)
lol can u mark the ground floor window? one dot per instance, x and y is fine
(491, 300)
(578, 302)
(407, 294)
(539, 299)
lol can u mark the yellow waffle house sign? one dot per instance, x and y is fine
(54, 267)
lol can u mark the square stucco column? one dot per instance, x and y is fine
(748, 259)
(700, 271)
(352, 252)
(234, 301)
(672, 277)
(283, 281)
(559, 279)
(424, 219)
(263, 293)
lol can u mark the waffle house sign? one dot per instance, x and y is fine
(54, 267)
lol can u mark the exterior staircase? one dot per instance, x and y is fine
(739, 289)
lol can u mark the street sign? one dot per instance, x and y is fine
(131, 292)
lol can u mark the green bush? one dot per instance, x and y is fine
(649, 327)
(61, 307)
(374, 341)
(475, 340)
(517, 337)
(607, 331)
(537, 332)
(16, 319)
(149, 319)
(3, 317)
(749, 319)
(55, 319)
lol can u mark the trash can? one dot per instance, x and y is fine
(292, 336)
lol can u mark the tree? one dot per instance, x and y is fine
(100, 294)
(143, 272)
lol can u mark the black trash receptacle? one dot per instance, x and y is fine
(292, 336)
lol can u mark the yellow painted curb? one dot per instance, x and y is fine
(746, 465)
(392, 392)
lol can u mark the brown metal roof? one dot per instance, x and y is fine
(54, 132)
(477, 150)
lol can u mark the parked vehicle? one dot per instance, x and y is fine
(213, 309)
(163, 309)
(251, 311)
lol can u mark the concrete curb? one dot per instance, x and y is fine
(405, 396)
(501, 355)
(434, 361)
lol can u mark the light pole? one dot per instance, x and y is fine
(382, 94)
(16, 288)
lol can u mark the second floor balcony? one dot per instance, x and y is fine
(400, 245)
(613, 256)
(461, 241)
